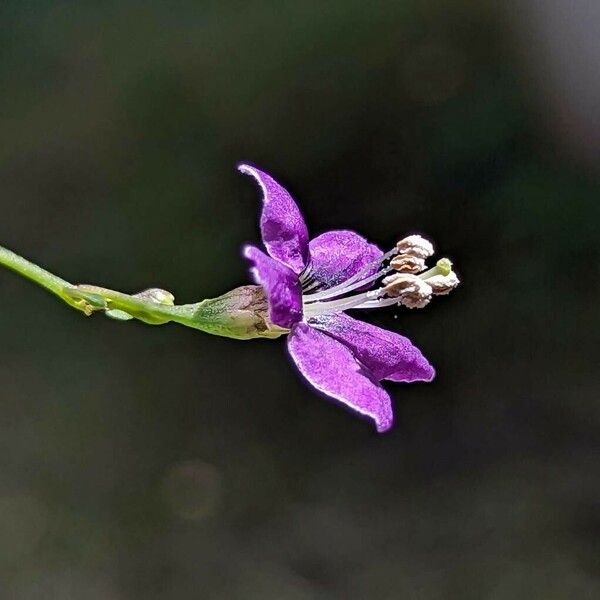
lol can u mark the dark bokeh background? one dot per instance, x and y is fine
(161, 463)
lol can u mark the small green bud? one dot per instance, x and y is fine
(157, 295)
(87, 302)
(154, 295)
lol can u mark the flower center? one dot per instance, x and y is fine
(399, 276)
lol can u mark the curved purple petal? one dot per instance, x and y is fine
(386, 354)
(282, 226)
(280, 284)
(332, 369)
(335, 256)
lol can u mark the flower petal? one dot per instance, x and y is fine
(280, 284)
(332, 369)
(386, 354)
(335, 256)
(282, 226)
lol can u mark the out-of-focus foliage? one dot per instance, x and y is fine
(149, 463)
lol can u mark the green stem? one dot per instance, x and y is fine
(154, 313)
(240, 313)
(43, 278)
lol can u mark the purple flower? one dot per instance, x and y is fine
(310, 283)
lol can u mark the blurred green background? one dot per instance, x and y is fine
(161, 463)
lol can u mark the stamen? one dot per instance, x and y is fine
(321, 308)
(311, 286)
(325, 294)
(346, 286)
(404, 287)
(305, 275)
(379, 303)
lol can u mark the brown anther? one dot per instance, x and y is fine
(410, 290)
(407, 263)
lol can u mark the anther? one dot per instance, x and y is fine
(407, 263)
(415, 245)
(410, 290)
(443, 284)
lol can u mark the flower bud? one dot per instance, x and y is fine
(153, 295)
(156, 295)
